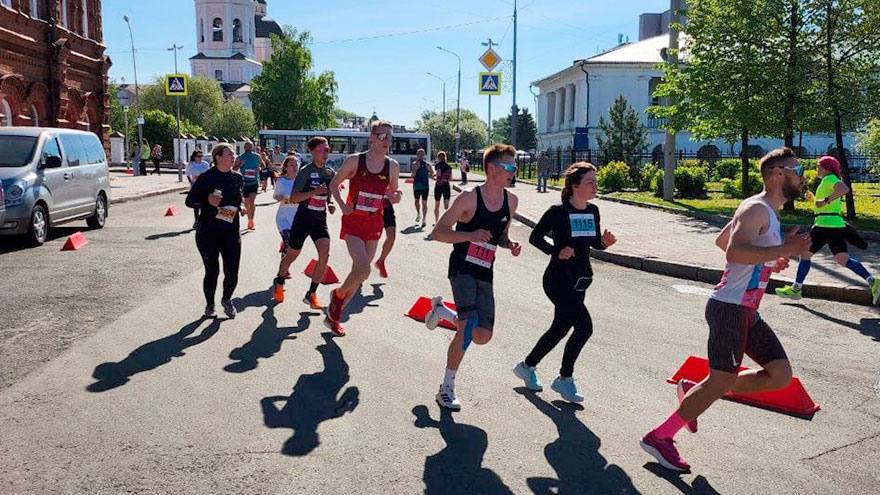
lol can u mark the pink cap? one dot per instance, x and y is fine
(830, 164)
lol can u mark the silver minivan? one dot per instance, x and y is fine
(51, 176)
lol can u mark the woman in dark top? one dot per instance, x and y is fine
(442, 189)
(574, 228)
(217, 193)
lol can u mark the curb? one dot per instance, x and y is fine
(149, 194)
(711, 275)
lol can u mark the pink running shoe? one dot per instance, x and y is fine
(683, 386)
(665, 452)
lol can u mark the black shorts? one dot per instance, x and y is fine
(836, 238)
(264, 174)
(249, 189)
(735, 330)
(421, 193)
(307, 226)
(389, 219)
(442, 191)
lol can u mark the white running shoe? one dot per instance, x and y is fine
(432, 319)
(567, 389)
(446, 398)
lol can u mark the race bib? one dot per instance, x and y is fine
(250, 174)
(318, 203)
(368, 202)
(287, 202)
(481, 254)
(227, 213)
(582, 224)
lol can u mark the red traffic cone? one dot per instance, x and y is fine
(75, 242)
(129, 171)
(408, 181)
(171, 211)
(329, 275)
(420, 309)
(792, 399)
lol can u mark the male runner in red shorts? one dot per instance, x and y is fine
(372, 177)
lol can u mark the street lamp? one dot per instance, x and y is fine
(443, 81)
(137, 96)
(457, 105)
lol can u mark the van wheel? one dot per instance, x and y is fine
(38, 230)
(97, 220)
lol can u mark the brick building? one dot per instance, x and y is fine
(53, 71)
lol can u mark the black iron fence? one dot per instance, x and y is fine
(860, 166)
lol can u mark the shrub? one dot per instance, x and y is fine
(690, 182)
(614, 176)
(811, 180)
(808, 163)
(725, 169)
(651, 176)
(732, 188)
(691, 163)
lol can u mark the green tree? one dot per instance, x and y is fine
(869, 139)
(286, 94)
(233, 120)
(160, 128)
(527, 130)
(473, 130)
(339, 113)
(201, 106)
(623, 135)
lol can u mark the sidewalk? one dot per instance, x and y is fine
(124, 187)
(684, 247)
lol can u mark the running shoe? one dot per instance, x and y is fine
(446, 398)
(432, 319)
(312, 300)
(229, 309)
(210, 312)
(251, 225)
(665, 452)
(875, 290)
(567, 389)
(334, 326)
(334, 310)
(278, 293)
(789, 292)
(683, 386)
(424, 223)
(529, 376)
(383, 272)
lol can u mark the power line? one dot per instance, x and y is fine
(407, 33)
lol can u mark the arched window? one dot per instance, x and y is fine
(709, 153)
(5, 114)
(755, 151)
(64, 13)
(657, 154)
(236, 31)
(201, 30)
(85, 18)
(218, 29)
(35, 10)
(832, 150)
(35, 116)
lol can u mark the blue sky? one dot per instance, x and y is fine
(387, 71)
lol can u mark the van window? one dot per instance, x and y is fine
(16, 151)
(50, 148)
(76, 152)
(94, 149)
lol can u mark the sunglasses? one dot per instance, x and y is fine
(509, 167)
(799, 170)
(382, 136)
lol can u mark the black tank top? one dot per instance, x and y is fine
(478, 259)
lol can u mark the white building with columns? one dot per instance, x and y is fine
(576, 96)
(233, 42)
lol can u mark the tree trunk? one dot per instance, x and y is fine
(746, 186)
(835, 107)
(844, 164)
(790, 84)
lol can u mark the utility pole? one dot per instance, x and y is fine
(137, 96)
(177, 140)
(457, 104)
(514, 111)
(669, 162)
(490, 44)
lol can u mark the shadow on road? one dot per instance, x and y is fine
(867, 326)
(575, 456)
(359, 301)
(313, 401)
(151, 355)
(700, 485)
(458, 468)
(265, 341)
(168, 235)
(412, 229)
(12, 244)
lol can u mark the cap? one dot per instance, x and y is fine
(830, 164)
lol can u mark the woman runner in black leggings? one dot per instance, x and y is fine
(217, 193)
(574, 227)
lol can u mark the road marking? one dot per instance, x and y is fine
(692, 289)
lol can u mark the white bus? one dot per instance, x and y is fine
(344, 142)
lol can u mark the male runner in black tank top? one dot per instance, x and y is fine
(482, 219)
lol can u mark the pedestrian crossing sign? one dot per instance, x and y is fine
(176, 85)
(490, 83)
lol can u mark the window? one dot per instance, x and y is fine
(16, 151)
(236, 31)
(93, 148)
(218, 74)
(85, 18)
(6, 3)
(339, 144)
(360, 144)
(201, 30)
(64, 13)
(50, 148)
(76, 152)
(35, 10)
(652, 87)
(5, 114)
(408, 146)
(218, 29)
(571, 102)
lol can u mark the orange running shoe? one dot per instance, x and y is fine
(382, 271)
(278, 294)
(335, 327)
(312, 300)
(251, 225)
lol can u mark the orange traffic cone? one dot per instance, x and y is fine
(420, 309)
(329, 275)
(171, 211)
(75, 242)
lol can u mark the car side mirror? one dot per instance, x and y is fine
(52, 162)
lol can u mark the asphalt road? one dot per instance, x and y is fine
(113, 383)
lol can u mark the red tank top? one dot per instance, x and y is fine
(366, 190)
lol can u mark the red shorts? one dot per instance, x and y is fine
(364, 227)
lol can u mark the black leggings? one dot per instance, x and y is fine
(156, 163)
(215, 242)
(569, 311)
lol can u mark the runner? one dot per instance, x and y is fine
(277, 161)
(372, 177)
(464, 166)
(285, 218)
(249, 166)
(442, 189)
(265, 167)
(755, 247)
(390, 224)
(196, 167)
(310, 192)
(217, 193)
(575, 228)
(422, 171)
(830, 228)
(482, 220)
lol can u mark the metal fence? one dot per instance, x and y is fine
(859, 165)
